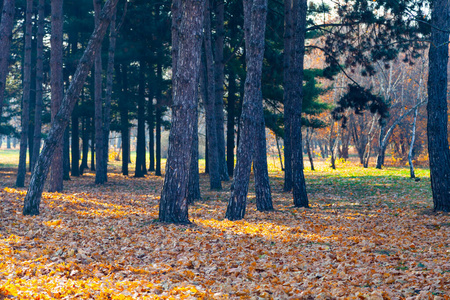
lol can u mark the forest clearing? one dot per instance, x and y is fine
(369, 234)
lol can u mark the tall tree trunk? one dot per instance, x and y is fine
(140, 169)
(158, 117)
(437, 106)
(108, 94)
(151, 134)
(231, 107)
(34, 193)
(210, 106)
(57, 89)
(6, 26)
(299, 30)
(39, 84)
(99, 130)
(288, 86)
(219, 81)
(255, 12)
(123, 105)
(173, 206)
(32, 105)
(22, 170)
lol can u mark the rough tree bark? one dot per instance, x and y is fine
(108, 93)
(299, 30)
(39, 84)
(194, 176)
(261, 171)
(98, 100)
(219, 81)
(173, 207)
(22, 170)
(57, 89)
(34, 193)
(287, 86)
(437, 106)
(255, 12)
(208, 79)
(6, 27)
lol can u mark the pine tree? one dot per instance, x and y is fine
(36, 187)
(6, 27)
(173, 207)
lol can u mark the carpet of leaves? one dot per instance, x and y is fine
(365, 237)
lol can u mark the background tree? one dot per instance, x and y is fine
(36, 187)
(57, 85)
(22, 169)
(6, 27)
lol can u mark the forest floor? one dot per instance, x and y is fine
(369, 234)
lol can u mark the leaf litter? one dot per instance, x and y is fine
(102, 242)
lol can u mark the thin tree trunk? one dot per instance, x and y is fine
(299, 30)
(57, 89)
(85, 140)
(210, 106)
(158, 117)
(140, 169)
(173, 206)
(255, 12)
(219, 81)
(231, 107)
(411, 145)
(151, 134)
(124, 121)
(22, 170)
(6, 26)
(108, 94)
(93, 145)
(99, 130)
(280, 156)
(308, 147)
(39, 84)
(288, 86)
(368, 147)
(33, 197)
